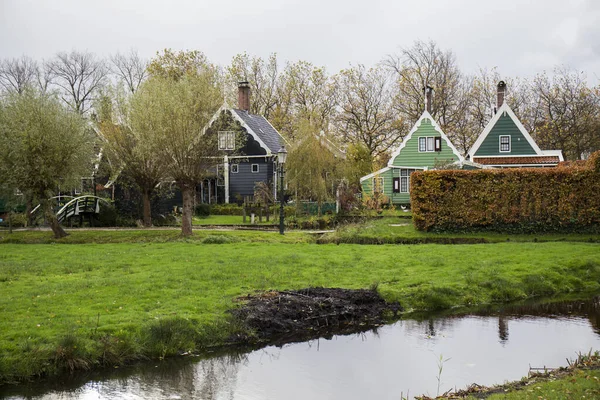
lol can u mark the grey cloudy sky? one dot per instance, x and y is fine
(519, 37)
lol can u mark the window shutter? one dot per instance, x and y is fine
(438, 143)
(396, 188)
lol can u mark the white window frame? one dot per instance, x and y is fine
(235, 168)
(428, 144)
(405, 178)
(500, 143)
(257, 168)
(226, 140)
(380, 185)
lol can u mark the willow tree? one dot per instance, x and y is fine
(174, 114)
(43, 146)
(312, 170)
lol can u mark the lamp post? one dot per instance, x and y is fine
(281, 156)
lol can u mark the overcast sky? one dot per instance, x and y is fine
(519, 37)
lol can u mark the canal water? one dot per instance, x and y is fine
(408, 358)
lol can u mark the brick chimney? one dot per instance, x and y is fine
(501, 92)
(244, 96)
(428, 98)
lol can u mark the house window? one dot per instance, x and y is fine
(255, 168)
(378, 184)
(430, 143)
(235, 168)
(396, 187)
(505, 143)
(405, 180)
(227, 140)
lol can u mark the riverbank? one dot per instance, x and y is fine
(76, 307)
(579, 380)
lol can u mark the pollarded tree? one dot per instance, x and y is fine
(130, 148)
(43, 146)
(174, 113)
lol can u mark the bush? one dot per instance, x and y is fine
(523, 200)
(202, 210)
(165, 220)
(108, 215)
(17, 220)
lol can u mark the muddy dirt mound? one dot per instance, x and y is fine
(301, 314)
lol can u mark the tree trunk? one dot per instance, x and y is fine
(58, 231)
(187, 192)
(147, 210)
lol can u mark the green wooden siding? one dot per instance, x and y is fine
(411, 157)
(519, 146)
(388, 186)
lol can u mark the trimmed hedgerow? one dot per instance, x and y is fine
(520, 200)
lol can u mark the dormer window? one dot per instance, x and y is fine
(505, 143)
(227, 140)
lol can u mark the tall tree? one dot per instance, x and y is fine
(264, 79)
(18, 74)
(426, 64)
(308, 93)
(129, 147)
(571, 113)
(367, 115)
(174, 109)
(129, 69)
(312, 170)
(42, 146)
(80, 76)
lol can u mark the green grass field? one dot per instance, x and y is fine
(126, 295)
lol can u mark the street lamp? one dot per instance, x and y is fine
(281, 157)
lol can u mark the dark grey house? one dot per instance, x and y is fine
(249, 146)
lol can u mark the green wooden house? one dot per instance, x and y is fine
(425, 147)
(505, 143)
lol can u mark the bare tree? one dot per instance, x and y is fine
(571, 113)
(18, 73)
(367, 114)
(79, 75)
(264, 79)
(130, 69)
(426, 64)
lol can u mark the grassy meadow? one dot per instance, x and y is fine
(108, 297)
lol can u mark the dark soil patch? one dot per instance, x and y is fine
(286, 316)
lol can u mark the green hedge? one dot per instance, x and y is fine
(513, 200)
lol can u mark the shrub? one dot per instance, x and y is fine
(521, 200)
(107, 216)
(17, 220)
(202, 210)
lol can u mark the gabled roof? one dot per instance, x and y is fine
(262, 131)
(488, 128)
(416, 126)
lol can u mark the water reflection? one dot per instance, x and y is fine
(488, 347)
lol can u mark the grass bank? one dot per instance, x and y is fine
(579, 380)
(394, 230)
(131, 295)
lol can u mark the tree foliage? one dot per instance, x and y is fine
(43, 147)
(367, 116)
(174, 109)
